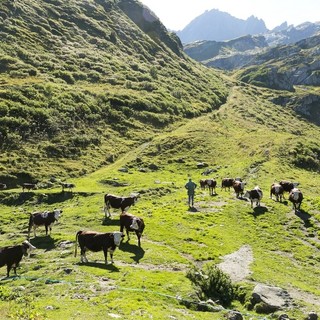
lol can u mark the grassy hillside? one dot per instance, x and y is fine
(248, 137)
(84, 81)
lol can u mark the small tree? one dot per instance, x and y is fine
(212, 283)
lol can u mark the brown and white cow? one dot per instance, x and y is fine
(238, 187)
(123, 203)
(12, 255)
(296, 197)
(227, 183)
(45, 218)
(277, 190)
(132, 224)
(254, 195)
(97, 241)
(29, 186)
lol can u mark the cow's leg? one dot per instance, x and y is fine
(128, 234)
(138, 236)
(8, 270)
(34, 230)
(83, 255)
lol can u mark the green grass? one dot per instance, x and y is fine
(144, 282)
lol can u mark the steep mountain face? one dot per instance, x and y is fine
(219, 26)
(84, 80)
(284, 67)
(211, 52)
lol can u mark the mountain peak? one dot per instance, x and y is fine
(219, 26)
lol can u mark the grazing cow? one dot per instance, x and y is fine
(12, 255)
(277, 190)
(133, 224)
(296, 197)
(227, 183)
(123, 203)
(28, 186)
(46, 218)
(3, 186)
(238, 187)
(66, 185)
(254, 195)
(97, 241)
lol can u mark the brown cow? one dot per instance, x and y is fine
(211, 183)
(97, 241)
(28, 186)
(12, 255)
(287, 185)
(132, 224)
(227, 183)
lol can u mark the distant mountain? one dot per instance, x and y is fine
(217, 25)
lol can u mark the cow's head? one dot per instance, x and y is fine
(57, 213)
(117, 236)
(134, 225)
(28, 247)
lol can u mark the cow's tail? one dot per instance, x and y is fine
(76, 246)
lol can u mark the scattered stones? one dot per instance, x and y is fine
(233, 315)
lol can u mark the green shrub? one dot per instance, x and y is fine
(212, 283)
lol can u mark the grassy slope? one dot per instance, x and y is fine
(81, 83)
(247, 137)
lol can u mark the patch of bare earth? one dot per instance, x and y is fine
(237, 264)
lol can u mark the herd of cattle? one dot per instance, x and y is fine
(255, 194)
(108, 242)
(87, 240)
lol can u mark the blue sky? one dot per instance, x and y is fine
(176, 14)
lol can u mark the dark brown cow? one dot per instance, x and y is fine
(97, 241)
(227, 183)
(46, 218)
(277, 190)
(254, 195)
(29, 186)
(3, 186)
(296, 197)
(12, 255)
(211, 183)
(288, 185)
(132, 224)
(123, 203)
(203, 184)
(66, 185)
(238, 187)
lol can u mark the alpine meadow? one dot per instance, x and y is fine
(97, 97)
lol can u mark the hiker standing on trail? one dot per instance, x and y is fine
(191, 187)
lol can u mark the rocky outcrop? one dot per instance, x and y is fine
(268, 299)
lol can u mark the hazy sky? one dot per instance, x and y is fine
(176, 14)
